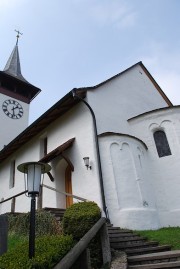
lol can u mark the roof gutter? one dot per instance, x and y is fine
(97, 151)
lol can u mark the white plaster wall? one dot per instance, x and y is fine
(127, 95)
(85, 183)
(129, 193)
(165, 171)
(12, 127)
(78, 123)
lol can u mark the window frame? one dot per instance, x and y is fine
(161, 143)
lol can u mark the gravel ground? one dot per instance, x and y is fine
(119, 260)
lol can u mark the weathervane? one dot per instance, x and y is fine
(18, 35)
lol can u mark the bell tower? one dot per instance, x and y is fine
(16, 93)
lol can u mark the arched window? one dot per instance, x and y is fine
(162, 144)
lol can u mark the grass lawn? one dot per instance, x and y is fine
(165, 236)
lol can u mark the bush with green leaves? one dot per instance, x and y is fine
(48, 251)
(78, 220)
(46, 224)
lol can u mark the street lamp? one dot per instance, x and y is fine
(33, 173)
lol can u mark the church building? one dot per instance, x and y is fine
(116, 143)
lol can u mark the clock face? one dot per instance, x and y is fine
(12, 109)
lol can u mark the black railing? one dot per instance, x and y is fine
(12, 197)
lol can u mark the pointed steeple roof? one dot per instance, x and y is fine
(13, 67)
(12, 82)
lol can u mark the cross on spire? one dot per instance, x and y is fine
(18, 35)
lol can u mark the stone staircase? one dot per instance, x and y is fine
(141, 253)
(57, 212)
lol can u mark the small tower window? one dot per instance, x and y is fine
(12, 174)
(162, 144)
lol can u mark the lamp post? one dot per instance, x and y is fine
(33, 173)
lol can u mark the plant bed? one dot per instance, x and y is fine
(49, 250)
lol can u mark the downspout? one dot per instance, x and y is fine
(97, 151)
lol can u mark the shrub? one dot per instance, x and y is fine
(48, 251)
(46, 224)
(78, 220)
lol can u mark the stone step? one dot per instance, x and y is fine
(122, 235)
(162, 265)
(57, 212)
(133, 245)
(112, 230)
(140, 251)
(127, 239)
(166, 256)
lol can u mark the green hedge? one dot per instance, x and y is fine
(48, 251)
(46, 224)
(78, 220)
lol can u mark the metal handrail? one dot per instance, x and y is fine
(48, 187)
(65, 193)
(14, 196)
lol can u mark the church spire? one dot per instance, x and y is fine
(13, 67)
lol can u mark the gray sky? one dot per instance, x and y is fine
(76, 43)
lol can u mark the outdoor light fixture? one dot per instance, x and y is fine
(86, 162)
(33, 172)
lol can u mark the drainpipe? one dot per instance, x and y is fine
(97, 151)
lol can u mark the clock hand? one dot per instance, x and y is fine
(14, 107)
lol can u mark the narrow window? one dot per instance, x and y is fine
(43, 147)
(12, 174)
(162, 144)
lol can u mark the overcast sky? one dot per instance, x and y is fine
(76, 43)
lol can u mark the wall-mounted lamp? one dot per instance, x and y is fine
(33, 172)
(86, 162)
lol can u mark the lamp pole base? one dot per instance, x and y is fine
(32, 227)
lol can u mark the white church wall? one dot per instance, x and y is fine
(123, 97)
(129, 194)
(78, 123)
(165, 171)
(85, 183)
(30, 153)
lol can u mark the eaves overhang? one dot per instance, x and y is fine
(30, 91)
(57, 151)
(56, 111)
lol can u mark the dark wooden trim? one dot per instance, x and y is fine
(156, 85)
(68, 186)
(68, 161)
(58, 151)
(14, 95)
(50, 176)
(47, 118)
